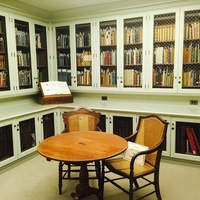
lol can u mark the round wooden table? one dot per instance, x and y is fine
(82, 148)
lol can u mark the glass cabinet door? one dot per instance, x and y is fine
(4, 65)
(63, 54)
(24, 65)
(83, 54)
(191, 51)
(133, 52)
(41, 53)
(108, 53)
(164, 45)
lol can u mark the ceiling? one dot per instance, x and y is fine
(60, 5)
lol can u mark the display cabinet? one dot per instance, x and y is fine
(24, 64)
(108, 53)
(84, 63)
(41, 52)
(164, 51)
(185, 138)
(190, 50)
(4, 62)
(133, 52)
(63, 54)
(8, 144)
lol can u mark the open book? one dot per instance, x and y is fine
(132, 149)
(54, 88)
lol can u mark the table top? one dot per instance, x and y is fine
(82, 146)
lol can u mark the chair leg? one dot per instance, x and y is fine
(157, 187)
(98, 172)
(69, 170)
(131, 189)
(60, 167)
(102, 176)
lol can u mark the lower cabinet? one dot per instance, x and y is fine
(185, 140)
(20, 137)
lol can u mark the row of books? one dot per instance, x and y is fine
(108, 77)
(84, 58)
(191, 53)
(3, 79)
(108, 57)
(133, 35)
(64, 75)
(108, 36)
(22, 38)
(38, 40)
(164, 33)
(84, 77)
(63, 41)
(24, 77)
(164, 55)
(193, 143)
(163, 77)
(132, 77)
(63, 60)
(2, 62)
(192, 30)
(23, 59)
(133, 57)
(83, 39)
(191, 78)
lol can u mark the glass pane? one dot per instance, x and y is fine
(41, 53)
(63, 54)
(83, 55)
(108, 53)
(6, 142)
(4, 65)
(164, 45)
(133, 35)
(23, 54)
(191, 50)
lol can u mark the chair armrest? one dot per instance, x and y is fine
(149, 151)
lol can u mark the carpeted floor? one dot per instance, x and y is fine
(36, 179)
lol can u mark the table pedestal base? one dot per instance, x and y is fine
(83, 189)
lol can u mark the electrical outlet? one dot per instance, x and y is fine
(104, 98)
(193, 102)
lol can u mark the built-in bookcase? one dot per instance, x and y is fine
(41, 53)
(163, 48)
(133, 52)
(191, 50)
(4, 65)
(83, 54)
(24, 67)
(63, 54)
(108, 53)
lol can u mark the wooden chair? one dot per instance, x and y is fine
(150, 132)
(80, 119)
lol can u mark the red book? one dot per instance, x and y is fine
(191, 141)
(195, 140)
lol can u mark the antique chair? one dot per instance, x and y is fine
(150, 132)
(79, 119)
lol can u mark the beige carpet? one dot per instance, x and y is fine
(37, 179)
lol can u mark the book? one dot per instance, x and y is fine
(132, 149)
(194, 145)
(54, 88)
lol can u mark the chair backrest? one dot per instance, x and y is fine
(81, 119)
(151, 132)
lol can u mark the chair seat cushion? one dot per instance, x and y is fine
(122, 166)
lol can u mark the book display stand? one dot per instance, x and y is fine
(55, 92)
